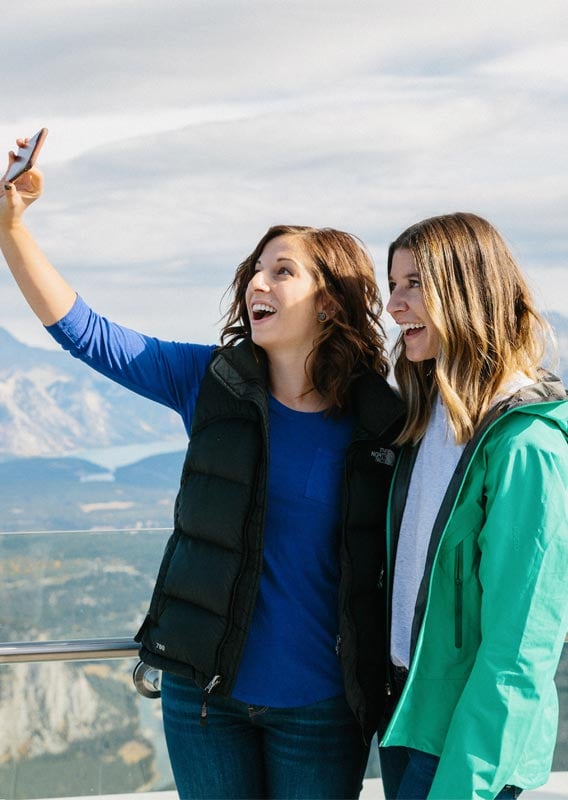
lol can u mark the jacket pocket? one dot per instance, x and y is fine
(458, 592)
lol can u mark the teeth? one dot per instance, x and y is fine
(263, 307)
(410, 326)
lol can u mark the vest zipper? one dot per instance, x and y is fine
(338, 645)
(206, 692)
(260, 475)
(458, 576)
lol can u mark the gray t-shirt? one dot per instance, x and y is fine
(433, 469)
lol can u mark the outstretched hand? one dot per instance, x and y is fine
(17, 196)
(46, 291)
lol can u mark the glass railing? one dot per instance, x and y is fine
(71, 721)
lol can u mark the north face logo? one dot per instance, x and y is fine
(383, 456)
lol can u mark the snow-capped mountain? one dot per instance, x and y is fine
(51, 404)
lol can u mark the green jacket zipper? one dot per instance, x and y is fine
(458, 577)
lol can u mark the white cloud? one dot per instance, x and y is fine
(544, 66)
(180, 130)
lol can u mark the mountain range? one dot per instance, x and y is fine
(52, 405)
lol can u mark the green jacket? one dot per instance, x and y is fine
(492, 610)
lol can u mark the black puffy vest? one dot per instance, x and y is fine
(207, 584)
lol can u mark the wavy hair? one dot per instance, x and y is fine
(352, 340)
(485, 316)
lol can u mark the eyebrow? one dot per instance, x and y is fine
(281, 258)
(406, 275)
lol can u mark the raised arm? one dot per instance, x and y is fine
(46, 291)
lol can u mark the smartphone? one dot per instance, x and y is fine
(26, 156)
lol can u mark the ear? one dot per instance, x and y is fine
(326, 305)
(328, 309)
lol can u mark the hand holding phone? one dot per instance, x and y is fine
(26, 156)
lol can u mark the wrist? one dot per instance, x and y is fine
(11, 226)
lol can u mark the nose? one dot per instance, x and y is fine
(396, 301)
(258, 282)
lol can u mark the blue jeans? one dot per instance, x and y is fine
(245, 751)
(408, 774)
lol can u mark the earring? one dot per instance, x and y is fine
(322, 316)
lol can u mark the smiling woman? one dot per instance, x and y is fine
(267, 614)
(309, 298)
(478, 524)
(407, 308)
(283, 303)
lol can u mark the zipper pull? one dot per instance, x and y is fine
(388, 689)
(203, 718)
(206, 692)
(338, 645)
(381, 581)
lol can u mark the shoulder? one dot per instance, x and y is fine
(527, 447)
(370, 387)
(377, 405)
(540, 426)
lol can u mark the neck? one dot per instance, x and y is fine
(290, 385)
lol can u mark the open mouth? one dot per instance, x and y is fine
(261, 310)
(411, 328)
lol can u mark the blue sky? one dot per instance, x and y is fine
(179, 131)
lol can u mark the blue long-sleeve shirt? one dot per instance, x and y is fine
(289, 658)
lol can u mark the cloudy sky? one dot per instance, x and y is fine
(179, 131)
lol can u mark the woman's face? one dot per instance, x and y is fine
(406, 307)
(281, 298)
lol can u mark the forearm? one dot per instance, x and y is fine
(48, 294)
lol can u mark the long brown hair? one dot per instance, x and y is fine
(352, 340)
(485, 316)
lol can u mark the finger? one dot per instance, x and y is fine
(34, 175)
(11, 159)
(30, 183)
(10, 193)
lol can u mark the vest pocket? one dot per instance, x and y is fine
(458, 590)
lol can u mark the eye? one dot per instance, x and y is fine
(414, 283)
(392, 286)
(283, 271)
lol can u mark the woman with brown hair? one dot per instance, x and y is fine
(478, 522)
(266, 615)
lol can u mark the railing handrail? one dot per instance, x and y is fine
(67, 650)
(86, 531)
